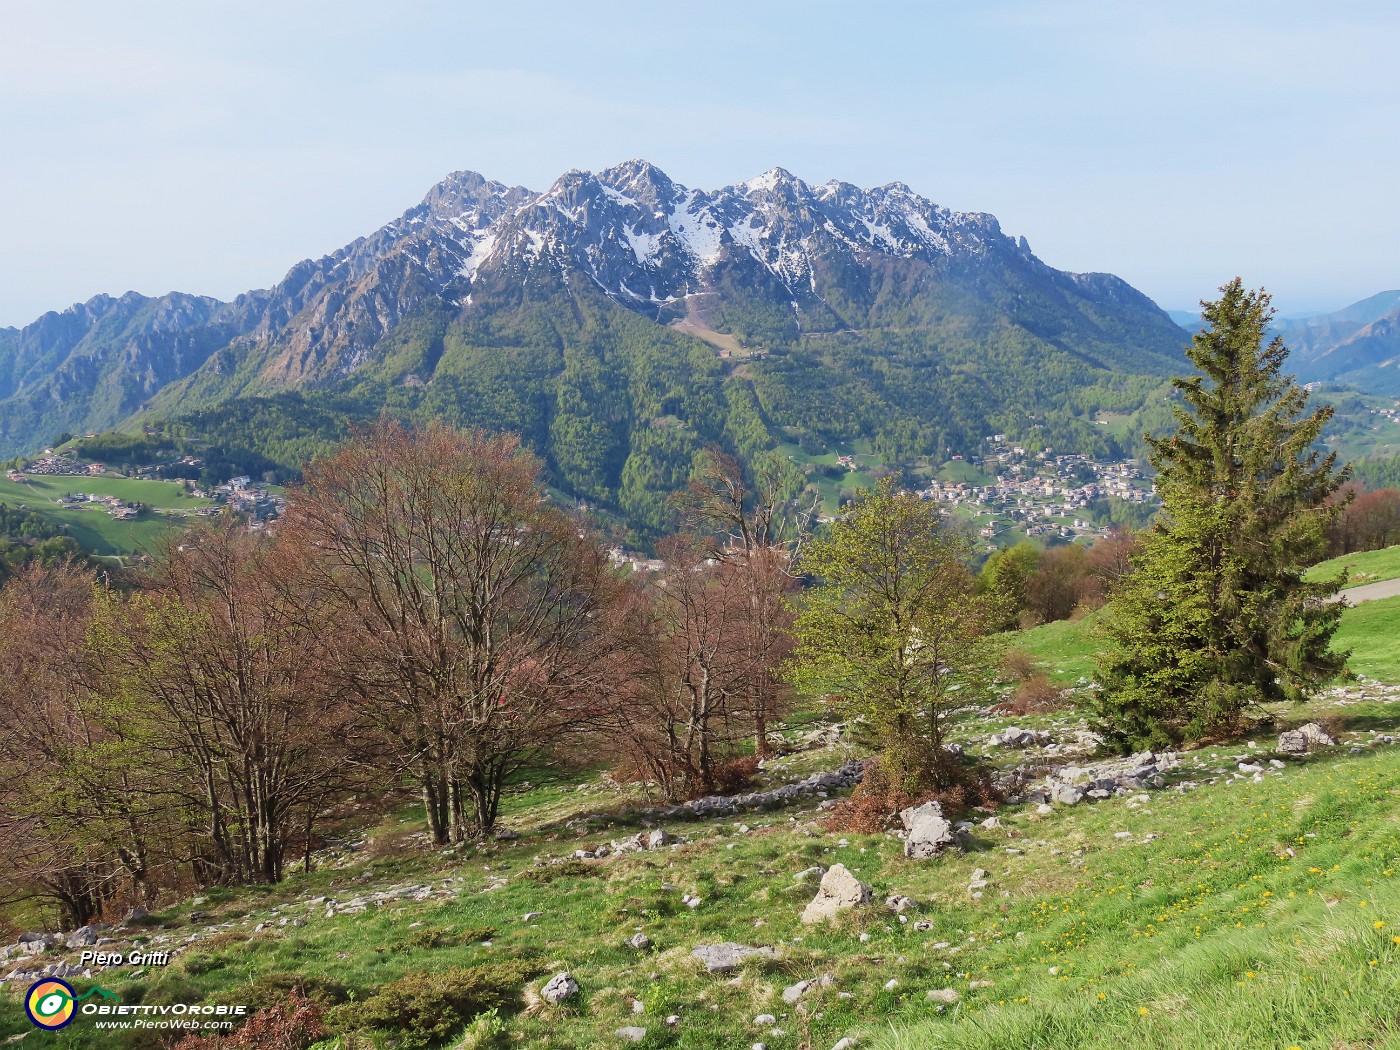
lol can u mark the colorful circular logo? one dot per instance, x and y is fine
(50, 1003)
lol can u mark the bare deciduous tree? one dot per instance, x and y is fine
(472, 605)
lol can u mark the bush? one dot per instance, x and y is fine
(1035, 695)
(735, 776)
(267, 989)
(1018, 665)
(424, 1008)
(873, 806)
(294, 1023)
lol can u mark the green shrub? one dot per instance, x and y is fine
(424, 1008)
(570, 869)
(268, 989)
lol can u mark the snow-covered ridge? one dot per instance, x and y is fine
(632, 228)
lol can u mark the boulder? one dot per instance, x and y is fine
(928, 833)
(1013, 736)
(1066, 795)
(559, 987)
(1304, 739)
(722, 958)
(84, 936)
(838, 892)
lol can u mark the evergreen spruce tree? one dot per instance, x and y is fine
(1216, 617)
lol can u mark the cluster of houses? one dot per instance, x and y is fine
(1044, 494)
(1392, 413)
(51, 465)
(245, 498)
(120, 509)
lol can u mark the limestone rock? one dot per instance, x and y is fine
(1304, 739)
(1067, 795)
(928, 831)
(559, 987)
(839, 891)
(722, 958)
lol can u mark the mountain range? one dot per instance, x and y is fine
(620, 321)
(1357, 346)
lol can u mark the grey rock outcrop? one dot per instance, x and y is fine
(723, 958)
(1304, 739)
(927, 832)
(839, 891)
(560, 987)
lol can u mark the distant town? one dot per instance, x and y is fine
(245, 498)
(1044, 495)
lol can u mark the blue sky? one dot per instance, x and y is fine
(208, 146)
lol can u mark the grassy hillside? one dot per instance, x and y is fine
(1066, 648)
(1230, 910)
(1366, 567)
(92, 526)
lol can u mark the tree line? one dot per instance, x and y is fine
(423, 616)
(425, 619)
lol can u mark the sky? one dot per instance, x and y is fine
(209, 146)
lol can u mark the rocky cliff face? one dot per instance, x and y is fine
(773, 260)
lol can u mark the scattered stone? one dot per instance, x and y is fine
(531, 916)
(844, 1044)
(928, 832)
(794, 992)
(1015, 737)
(839, 891)
(639, 941)
(85, 936)
(892, 984)
(944, 995)
(898, 903)
(559, 987)
(658, 838)
(816, 871)
(765, 1019)
(631, 1033)
(726, 957)
(979, 985)
(1304, 739)
(1067, 795)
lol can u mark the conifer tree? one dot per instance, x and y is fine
(1216, 617)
